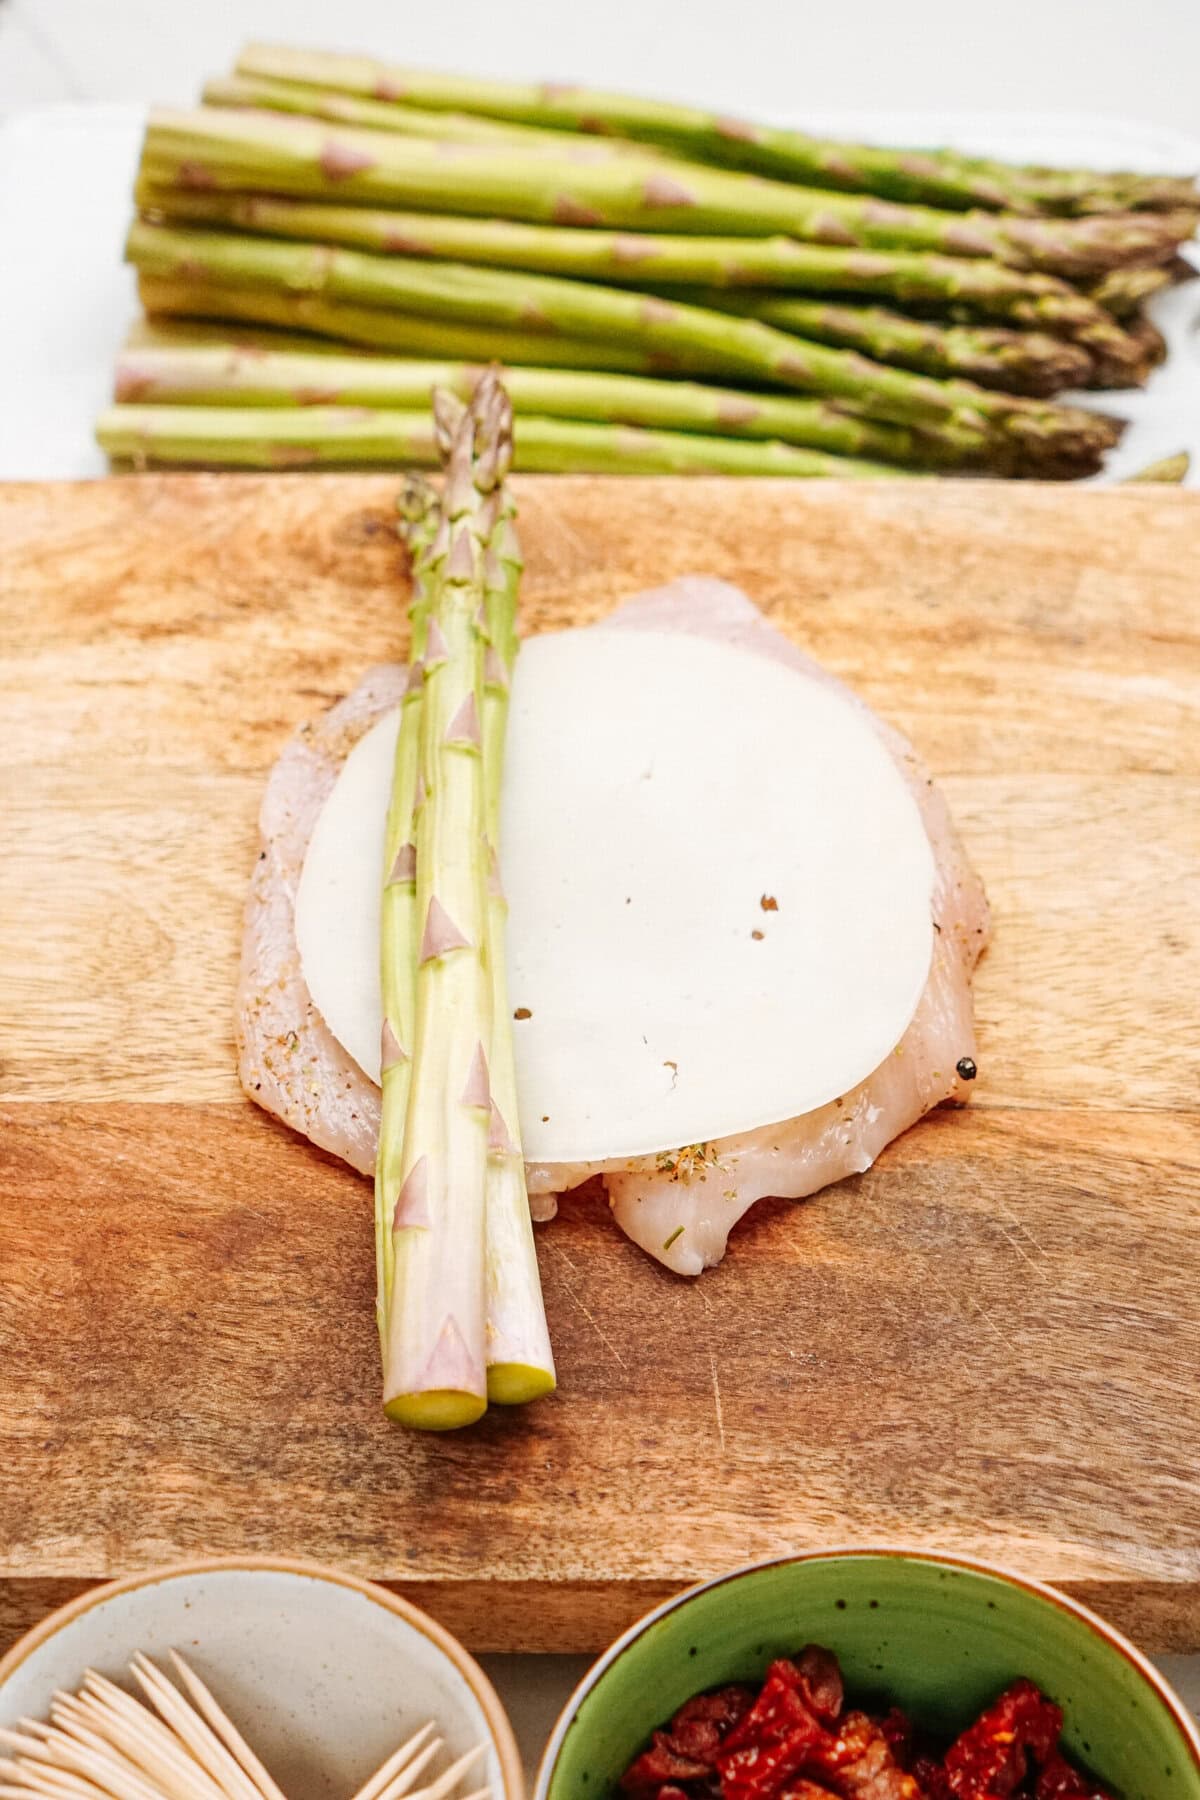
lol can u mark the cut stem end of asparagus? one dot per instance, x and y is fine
(443, 1409)
(516, 1384)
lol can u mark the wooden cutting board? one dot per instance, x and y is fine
(989, 1343)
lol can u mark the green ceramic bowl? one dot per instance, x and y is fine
(939, 1636)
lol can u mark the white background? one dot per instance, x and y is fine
(1132, 58)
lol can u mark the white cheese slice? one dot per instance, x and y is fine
(719, 888)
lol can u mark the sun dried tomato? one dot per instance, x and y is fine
(764, 1771)
(791, 1742)
(701, 1725)
(773, 1741)
(779, 1712)
(818, 1680)
(896, 1727)
(990, 1759)
(699, 1741)
(860, 1763)
(687, 1749)
(661, 1765)
(931, 1778)
(1059, 1781)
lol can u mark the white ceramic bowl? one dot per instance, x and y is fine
(324, 1675)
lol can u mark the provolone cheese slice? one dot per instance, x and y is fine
(719, 892)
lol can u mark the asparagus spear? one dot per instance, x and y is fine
(1118, 360)
(374, 329)
(163, 332)
(520, 1363)
(1073, 448)
(398, 937)
(223, 373)
(519, 1358)
(989, 289)
(1077, 192)
(699, 340)
(349, 109)
(215, 148)
(1021, 362)
(1170, 469)
(1124, 291)
(1150, 340)
(272, 437)
(1100, 354)
(939, 177)
(434, 1352)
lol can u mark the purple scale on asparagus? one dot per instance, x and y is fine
(404, 868)
(441, 935)
(463, 728)
(391, 1050)
(477, 1090)
(412, 1202)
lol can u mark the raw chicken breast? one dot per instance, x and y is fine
(680, 1208)
(288, 1059)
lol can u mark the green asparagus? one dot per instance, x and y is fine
(225, 437)
(1020, 362)
(223, 373)
(939, 177)
(1118, 360)
(374, 329)
(434, 1342)
(350, 109)
(1150, 340)
(165, 332)
(697, 339)
(216, 148)
(989, 289)
(1078, 192)
(1114, 355)
(1124, 291)
(398, 943)
(1171, 470)
(520, 1366)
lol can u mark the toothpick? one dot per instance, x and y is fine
(84, 1750)
(38, 1779)
(42, 1778)
(407, 1779)
(445, 1784)
(372, 1789)
(135, 1731)
(227, 1730)
(199, 1737)
(29, 1782)
(103, 1743)
(17, 1740)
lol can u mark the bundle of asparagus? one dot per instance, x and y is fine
(928, 307)
(460, 1305)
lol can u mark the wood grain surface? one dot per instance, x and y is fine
(989, 1343)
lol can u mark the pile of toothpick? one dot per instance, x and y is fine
(104, 1744)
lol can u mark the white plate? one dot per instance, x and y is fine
(66, 176)
(324, 1675)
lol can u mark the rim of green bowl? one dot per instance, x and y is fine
(1184, 1723)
